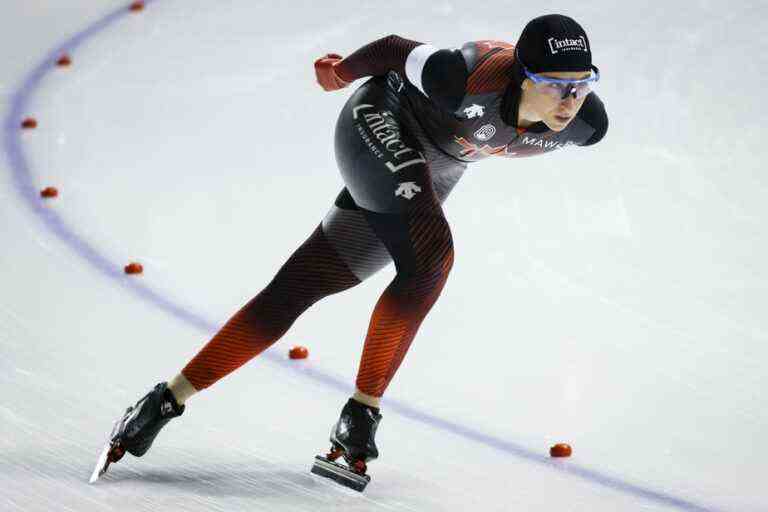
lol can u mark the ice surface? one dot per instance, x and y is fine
(609, 297)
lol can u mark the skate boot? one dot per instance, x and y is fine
(137, 429)
(353, 438)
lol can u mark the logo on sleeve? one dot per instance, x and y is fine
(486, 132)
(407, 189)
(474, 110)
(567, 45)
(166, 408)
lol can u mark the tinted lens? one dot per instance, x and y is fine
(581, 90)
(560, 91)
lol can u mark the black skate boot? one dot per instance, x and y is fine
(137, 429)
(353, 437)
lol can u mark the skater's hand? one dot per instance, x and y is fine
(325, 70)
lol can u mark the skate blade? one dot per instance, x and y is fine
(101, 464)
(341, 474)
(104, 459)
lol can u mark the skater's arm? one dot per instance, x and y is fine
(440, 74)
(374, 59)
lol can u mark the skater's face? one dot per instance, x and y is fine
(556, 112)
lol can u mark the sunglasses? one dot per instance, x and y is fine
(561, 88)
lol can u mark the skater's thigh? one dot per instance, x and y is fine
(352, 238)
(417, 238)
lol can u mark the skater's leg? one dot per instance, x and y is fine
(398, 180)
(313, 271)
(342, 252)
(420, 242)
(419, 239)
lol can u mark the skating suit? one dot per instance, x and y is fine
(402, 142)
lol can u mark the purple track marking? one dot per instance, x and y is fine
(25, 186)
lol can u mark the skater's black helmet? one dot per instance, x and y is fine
(553, 42)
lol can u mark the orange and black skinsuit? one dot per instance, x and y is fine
(403, 140)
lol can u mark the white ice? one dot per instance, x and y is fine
(610, 297)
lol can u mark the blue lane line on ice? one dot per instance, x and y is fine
(29, 193)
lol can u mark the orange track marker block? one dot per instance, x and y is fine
(298, 353)
(134, 268)
(49, 192)
(561, 450)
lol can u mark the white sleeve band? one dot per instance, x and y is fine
(415, 62)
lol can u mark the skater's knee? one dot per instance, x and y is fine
(435, 258)
(428, 274)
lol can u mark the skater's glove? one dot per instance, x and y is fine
(327, 76)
